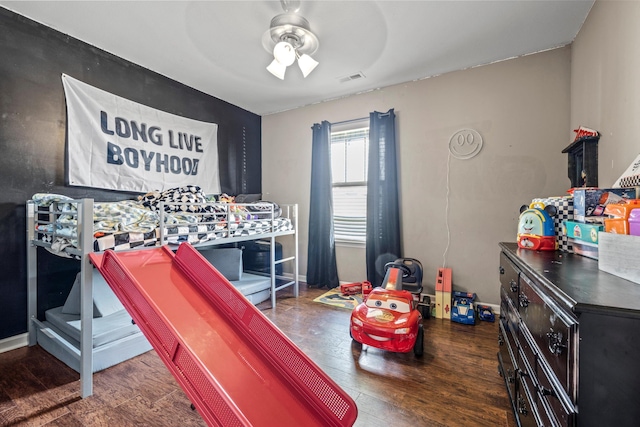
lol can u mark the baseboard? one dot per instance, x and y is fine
(14, 342)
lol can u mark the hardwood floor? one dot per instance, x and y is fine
(455, 383)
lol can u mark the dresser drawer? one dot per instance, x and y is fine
(526, 408)
(553, 332)
(556, 402)
(510, 316)
(509, 275)
(507, 359)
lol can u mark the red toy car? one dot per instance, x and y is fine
(389, 320)
(356, 288)
(351, 288)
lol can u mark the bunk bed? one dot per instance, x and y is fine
(76, 228)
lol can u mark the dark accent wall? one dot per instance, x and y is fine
(32, 143)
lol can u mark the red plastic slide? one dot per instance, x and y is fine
(237, 368)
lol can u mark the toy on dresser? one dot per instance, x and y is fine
(536, 228)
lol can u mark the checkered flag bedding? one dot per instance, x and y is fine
(564, 205)
(189, 216)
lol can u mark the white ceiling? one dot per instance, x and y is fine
(215, 46)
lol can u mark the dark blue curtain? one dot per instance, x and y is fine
(321, 253)
(383, 212)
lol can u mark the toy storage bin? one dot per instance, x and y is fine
(634, 222)
(616, 225)
(583, 248)
(582, 231)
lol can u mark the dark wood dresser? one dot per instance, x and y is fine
(569, 340)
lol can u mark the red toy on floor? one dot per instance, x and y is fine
(388, 317)
(355, 288)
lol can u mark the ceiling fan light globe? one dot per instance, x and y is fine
(307, 64)
(284, 53)
(277, 69)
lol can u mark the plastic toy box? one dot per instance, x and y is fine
(580, 247)
(591, 201)
(617, 220)
(634, 222)
(581, 231)
(462, 310)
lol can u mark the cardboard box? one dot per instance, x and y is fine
(619, 255)
(581, 231)
(591, 201)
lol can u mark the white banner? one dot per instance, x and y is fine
(119, 144)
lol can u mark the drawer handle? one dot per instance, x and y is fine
(524, 301)
(555, 342)
(546, 392)
(500, 339)
(522, 406)
(513, 285)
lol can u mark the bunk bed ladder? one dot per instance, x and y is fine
(292, 213)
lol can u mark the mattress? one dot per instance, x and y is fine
(104, 356)
(183, 215)
(105, 329)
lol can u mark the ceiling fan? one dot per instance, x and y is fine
(289, 38)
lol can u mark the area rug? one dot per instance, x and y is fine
(335, 298)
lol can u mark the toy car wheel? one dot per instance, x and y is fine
(425, 307)
(418, 347)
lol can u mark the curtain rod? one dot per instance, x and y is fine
(350, 121)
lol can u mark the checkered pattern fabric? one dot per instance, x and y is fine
(124, 241)
(630, 181)
(130, 224)
(564, 205)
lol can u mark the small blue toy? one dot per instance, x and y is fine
(462, 310)
(485, 313)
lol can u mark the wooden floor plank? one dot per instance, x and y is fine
(456, 382)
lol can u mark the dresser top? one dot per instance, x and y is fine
(576, 282)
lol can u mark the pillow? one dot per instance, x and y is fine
(247, 198)
(228, 261)
(105, 301)
(265, 207)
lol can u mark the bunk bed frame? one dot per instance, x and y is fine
(38, 215)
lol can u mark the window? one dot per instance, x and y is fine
(349, 154)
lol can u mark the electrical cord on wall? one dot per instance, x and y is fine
(446, 214)
(464, 144)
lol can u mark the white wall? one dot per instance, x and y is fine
(521, 109)
(605, 84)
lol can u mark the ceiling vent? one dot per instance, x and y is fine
(355, 76)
